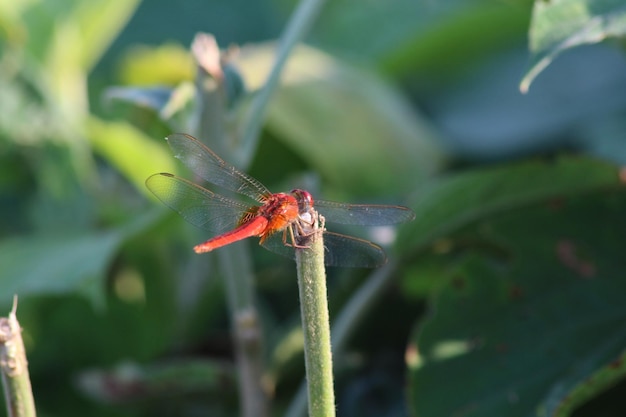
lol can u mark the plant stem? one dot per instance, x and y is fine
(298, 25)
(346, 323)
(234, 260)
(316, 326)
(14, 367)
(236, 268)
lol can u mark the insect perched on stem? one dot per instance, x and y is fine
(268, 213)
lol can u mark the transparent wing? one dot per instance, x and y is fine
(363, 214)
(210, 167)
(197, 205)
(342, 250)
(339, 250)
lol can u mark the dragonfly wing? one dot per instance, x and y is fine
(339, 250)
(348, 251)
(197, 205)
(363, 214)
(276, 244)
(210, 167)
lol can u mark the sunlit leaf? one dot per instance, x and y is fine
(558, 25)
(81, 33)
(169, 65)
(132, 152)
(99, 22)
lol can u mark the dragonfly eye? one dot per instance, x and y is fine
(304, 198)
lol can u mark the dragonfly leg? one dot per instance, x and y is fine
(301, 229)
(305, 228)
(292, 237)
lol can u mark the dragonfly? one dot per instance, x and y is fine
(267, 214)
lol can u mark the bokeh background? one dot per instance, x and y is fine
(503, 297)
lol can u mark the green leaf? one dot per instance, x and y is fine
(38, 265)
(133, 153)
(444, 205)
(357, 131)
(509, 338)
(583, 386)
(426, 37)
(173, 105)
(71, 34)
(69, 37)
(99, 22)
(58, 264)
(558, 25)
(169, 64)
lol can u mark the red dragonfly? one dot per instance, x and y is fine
(234, 220)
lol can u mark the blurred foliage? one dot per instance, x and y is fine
(515, 251)
(561, 25)
(550, 303)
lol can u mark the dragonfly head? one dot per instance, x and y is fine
(304, 198)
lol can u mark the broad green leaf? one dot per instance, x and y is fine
(426, 36)
(581, 387)
(444, 205)
(58, 264)
(133, 153)
(71, 36)
(486, 118)
(558, 25)
(357, 131)
(99, 22)
(40, 265)
(522, 335)
(11, 26)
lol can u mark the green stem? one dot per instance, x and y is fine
(316, 327)
(298, 25)
(14, 367)
(237, 271)
(347, 322)
(234, 260)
